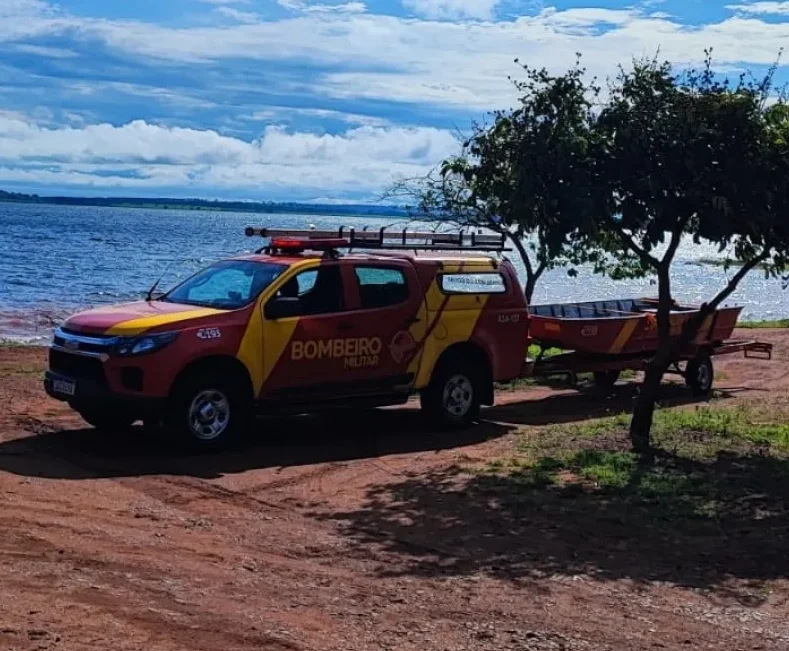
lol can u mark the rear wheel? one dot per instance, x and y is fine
(106, 419)
(699, 374)
(605, 380)
(209, 411)
(453, 398)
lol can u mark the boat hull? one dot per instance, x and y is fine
(620, 326)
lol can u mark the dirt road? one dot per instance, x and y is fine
(322, 534)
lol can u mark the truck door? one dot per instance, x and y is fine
(386, 318)
(302, 324)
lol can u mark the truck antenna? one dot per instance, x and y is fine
(149, 296)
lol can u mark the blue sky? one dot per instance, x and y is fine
(302, 99)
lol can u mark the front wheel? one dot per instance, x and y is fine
(208, 412)
(453, 398)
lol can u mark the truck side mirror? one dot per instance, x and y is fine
(283, 307)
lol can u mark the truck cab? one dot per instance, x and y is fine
(300, 327)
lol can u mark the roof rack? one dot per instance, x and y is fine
(390, 239)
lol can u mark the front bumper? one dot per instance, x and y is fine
(82, 372)
(89, 391)
(85, 389)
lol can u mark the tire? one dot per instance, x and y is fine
(700, 374)
(453, 398)
(209, 410)
(605, 380)
(106, 419)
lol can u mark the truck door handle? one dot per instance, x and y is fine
(344, 326)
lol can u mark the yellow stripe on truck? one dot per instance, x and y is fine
(145, 323)
(260, 361)
(452, 318)
(455, 325)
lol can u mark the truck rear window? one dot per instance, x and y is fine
(381, 286)
(473, 283)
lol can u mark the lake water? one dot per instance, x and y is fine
(55, 260)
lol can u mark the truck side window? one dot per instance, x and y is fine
(319, 290)
(381, 286)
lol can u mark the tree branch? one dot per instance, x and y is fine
(523, 253)
(735, 281)
(630, 243)
(540, 270)
(676, 238)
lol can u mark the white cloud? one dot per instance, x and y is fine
(354, 7)
(775, 8)
(247, 17)
(452, 9)
(24, 7)
(142, 155)
(282, 113)
(341, 51)
(455, 63)
(49, 52)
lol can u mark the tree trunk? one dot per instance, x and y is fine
(532, 274)
(644, 411)
(528, 290)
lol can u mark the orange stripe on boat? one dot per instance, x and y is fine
(628, 328)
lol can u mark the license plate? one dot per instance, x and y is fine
(65, 387)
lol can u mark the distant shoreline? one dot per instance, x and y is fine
(205, 205)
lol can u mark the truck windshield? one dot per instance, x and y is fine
(227, 285)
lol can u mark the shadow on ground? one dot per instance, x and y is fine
(707, 525)
(296, 441)
(575, 406)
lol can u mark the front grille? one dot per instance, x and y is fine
(88, 343)
(77, 367)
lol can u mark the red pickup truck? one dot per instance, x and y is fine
(299, 327)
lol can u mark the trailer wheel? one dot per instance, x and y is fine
(699, 374)
(454, 396)
(605, 380)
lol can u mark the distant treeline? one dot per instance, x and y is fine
(202, 204)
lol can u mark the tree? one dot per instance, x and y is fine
(526, 175)
(689, 156)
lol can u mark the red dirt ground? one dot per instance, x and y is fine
(320, 534)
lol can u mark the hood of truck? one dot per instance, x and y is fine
(135, 318)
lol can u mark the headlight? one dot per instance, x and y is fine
(131, 346)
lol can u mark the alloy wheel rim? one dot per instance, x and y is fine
(458, 396)
(209, 414)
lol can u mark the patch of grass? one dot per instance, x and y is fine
(692, 477)
(536, 349)
(757, 325)
(11, 343)
(710, 427)
(721, 426)
(7, 370)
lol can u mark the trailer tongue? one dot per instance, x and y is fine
(607, 337)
